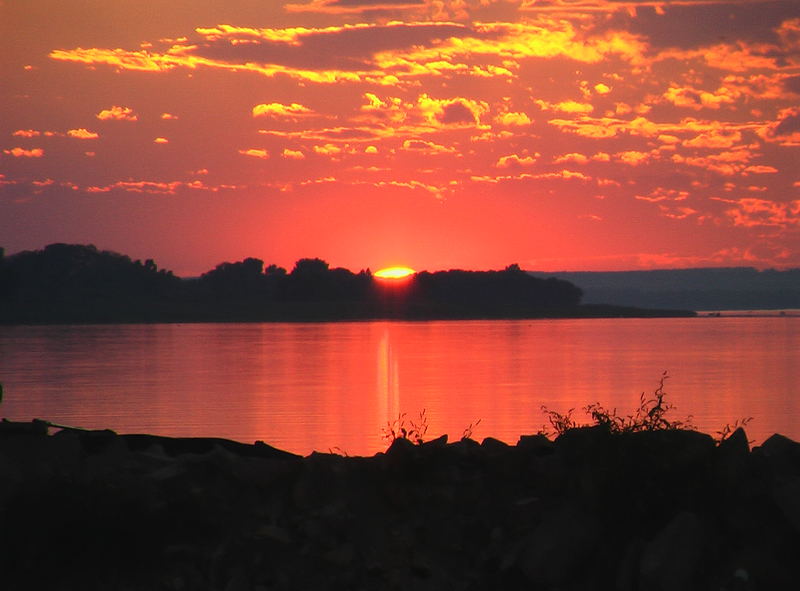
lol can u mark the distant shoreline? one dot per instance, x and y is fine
(310, 314)
(777, 313)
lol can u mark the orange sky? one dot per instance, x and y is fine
(556, 134)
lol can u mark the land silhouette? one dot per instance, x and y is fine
(720, 288)
(65, 283)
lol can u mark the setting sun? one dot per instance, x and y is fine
(394, 273)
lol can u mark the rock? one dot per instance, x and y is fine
(787, 497)
(782, 454)
(736, 444)
(595, 510)
(535, 444)
(555, 554)
(492, 445)
(672, 560)
(438, 443)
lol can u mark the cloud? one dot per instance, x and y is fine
(26, 133)
(761, 169)
(117, 113)
(634, 157)
(291, 111)
(572, 157)
(23, 153)
(512, 118)
(255, 153)
(327, 150)
(160, 140)
(715, 138)
(426, 147)
(455, 111)
(293, 154)
(753, 212)
(565, 106)
(699, 99)
(792, 84)
(785, 130)
(355, 6)
(152, 187)
(82, 134)
(168, 116)
(513, 160)
(385, 54)
(660, 194)
(563, 175)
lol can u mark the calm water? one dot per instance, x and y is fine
(305, 387)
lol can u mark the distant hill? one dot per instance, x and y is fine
(725, 288)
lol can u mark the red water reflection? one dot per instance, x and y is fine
(307, 387)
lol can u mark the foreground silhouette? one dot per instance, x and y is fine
(76, 283)
(592, 509)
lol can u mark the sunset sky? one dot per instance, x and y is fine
(556, 134)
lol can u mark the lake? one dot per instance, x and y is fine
(334, 386)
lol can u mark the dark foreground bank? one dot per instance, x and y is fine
(662, 510)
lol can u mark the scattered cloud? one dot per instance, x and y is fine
(293, 154)
(513, 160)
(117, 113)
(291, 111)
(83, 134)
(23, 153)
(255, 153)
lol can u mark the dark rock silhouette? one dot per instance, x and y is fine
(655, 510)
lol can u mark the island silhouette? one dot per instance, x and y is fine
(74, 283)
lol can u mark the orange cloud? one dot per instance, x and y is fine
(565, 106)
(563, 174)
(168, 116)
(291, 111)
(417, 145)
(512, 119)
(82, 134)
(700, 99)
(451, 112)
(514, 161)
(161, 140)
(327, 150)
(753, 212)
(118, 114)
(351, 6)
(26, 133)
(572, 157)
(255, 153)
(785, 130)
(761, 169)
(23, 153)
(664, 194)
(293, 154)
(715, 138)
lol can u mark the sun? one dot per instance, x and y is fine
(394, 273)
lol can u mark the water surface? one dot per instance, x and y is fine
(323, 386)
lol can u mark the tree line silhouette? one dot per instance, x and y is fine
(79, 283)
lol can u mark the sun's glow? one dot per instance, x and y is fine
(394, 272)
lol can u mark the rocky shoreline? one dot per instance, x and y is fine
(661, 510)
